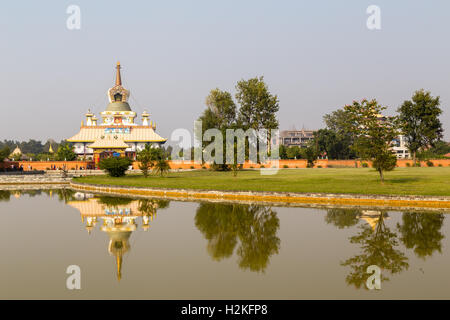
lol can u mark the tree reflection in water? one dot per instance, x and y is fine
(420, 231)
(253, 227)
(378, 247)
(5, 195)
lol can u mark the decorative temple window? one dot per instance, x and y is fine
(117, 130)
(117, 97)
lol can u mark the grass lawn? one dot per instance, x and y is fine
(401, 181)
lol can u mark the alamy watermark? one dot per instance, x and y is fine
(374, 281)
(73, 21)
(374, 20)
(74, 280)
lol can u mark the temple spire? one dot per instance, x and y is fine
(118, 78)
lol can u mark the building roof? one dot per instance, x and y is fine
(16, 151)
(109, 141)
(137, 134)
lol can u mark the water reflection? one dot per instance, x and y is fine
(379, 245)
(119, 217)
(252, 229)
(251, 233)
(422, 232)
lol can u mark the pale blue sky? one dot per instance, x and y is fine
(316, 55)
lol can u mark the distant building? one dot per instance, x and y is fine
(299, 138)
(400, 148)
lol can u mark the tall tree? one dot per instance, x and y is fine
(373, 133)
(220, 114)
(258, 106)
(419, 121)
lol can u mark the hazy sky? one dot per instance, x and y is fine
(315, 55)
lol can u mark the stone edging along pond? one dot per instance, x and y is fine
(286, 198)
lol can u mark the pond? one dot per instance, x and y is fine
(159, 249)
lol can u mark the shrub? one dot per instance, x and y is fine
(161, 167)
(192, 167)
(319, 166)
(251, 167)
(262, 166)
(408, 164)
(203, 167)
(440, 165)
(365, 165)
(430, 163)
(115, 166)
(285, 166)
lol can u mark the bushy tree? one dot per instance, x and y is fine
(115, 166)
(65, 152)
(334, 145)
(4, 153)
(419, 121)
(293, 152)
(338, 137)
(161, 167)
(373, 134)
(310, 153)
(147, 158)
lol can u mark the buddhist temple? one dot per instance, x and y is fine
(118, 134)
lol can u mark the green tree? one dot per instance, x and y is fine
(282, 151)
(148, 157)
(258, 107)
(293, 152)
(334, 145)
(115, 166)
(161, 167)
(220, 114)
(65, 152)
(4, 153)
(373, 134)
(421, 231)
(340, 138)
(310, 153)
(419, 121)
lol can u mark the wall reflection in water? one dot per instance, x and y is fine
(380, 245)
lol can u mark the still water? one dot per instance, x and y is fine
(159, 249)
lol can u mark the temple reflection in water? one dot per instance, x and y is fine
(119, 217)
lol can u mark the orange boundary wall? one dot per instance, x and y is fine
(324, 163)
(183, 165)
(46, 165)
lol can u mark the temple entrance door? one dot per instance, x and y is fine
(106, 154)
